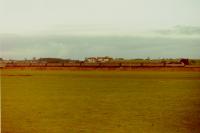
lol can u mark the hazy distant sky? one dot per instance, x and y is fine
(119, 28)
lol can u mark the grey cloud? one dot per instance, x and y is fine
(180, 30)
(78, 47)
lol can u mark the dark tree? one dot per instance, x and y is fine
(184, 61)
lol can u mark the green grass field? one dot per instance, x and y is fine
(100, 102)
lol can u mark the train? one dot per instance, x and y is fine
(83, 64)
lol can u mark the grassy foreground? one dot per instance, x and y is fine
(100, 102)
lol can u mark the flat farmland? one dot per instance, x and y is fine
(58, 101)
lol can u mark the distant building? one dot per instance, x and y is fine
(98, 59)
(104, 59)
(91, 59)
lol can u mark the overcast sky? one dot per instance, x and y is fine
(118, 28)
